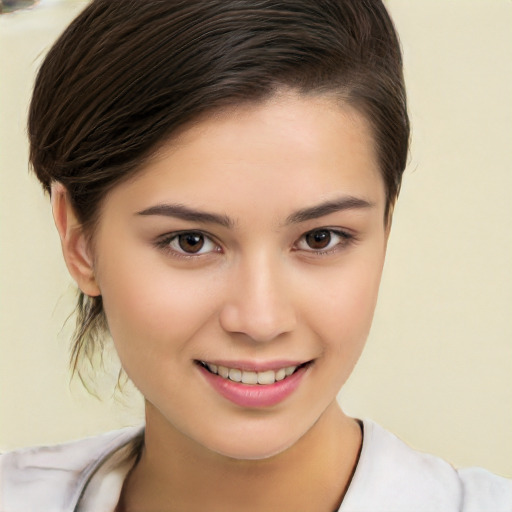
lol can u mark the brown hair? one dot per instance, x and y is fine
(126, 75)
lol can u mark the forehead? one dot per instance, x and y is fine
(291, 148)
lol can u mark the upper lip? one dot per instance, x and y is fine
(256, 366)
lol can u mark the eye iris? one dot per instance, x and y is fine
(191, 242)
(318, 239)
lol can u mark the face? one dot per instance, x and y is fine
(249, 249)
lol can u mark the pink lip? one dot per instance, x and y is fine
(246, 395)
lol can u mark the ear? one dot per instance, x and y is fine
(75, 246)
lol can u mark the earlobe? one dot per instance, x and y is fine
(75, 246)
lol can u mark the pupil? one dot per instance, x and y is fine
(318, 239)
(191, 242)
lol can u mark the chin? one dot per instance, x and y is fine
(253, 446)
(259, 452)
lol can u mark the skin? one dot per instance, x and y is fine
(257, 291)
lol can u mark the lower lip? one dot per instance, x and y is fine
(256, 395)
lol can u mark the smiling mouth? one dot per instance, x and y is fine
(263, 378)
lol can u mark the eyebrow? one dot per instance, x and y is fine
(320, 210)
(183, 212)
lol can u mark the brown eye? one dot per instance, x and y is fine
(324, 241)
(188, 243)
(319, 239)
(191, 242)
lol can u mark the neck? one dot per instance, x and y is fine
(174, 473)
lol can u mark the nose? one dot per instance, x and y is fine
(258, 303)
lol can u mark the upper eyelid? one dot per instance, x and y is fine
(173, 234)
(163, 243)
(345, 235)
(337, 231)
(165, 239)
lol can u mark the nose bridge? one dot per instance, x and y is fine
(259, 301)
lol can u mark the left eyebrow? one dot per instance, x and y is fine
(320, 210)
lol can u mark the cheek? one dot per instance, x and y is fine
(344, 302)
(152, 311)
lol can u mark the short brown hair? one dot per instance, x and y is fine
(126, 75)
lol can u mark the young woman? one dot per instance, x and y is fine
(222, 176)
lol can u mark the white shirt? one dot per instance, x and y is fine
(87, 476)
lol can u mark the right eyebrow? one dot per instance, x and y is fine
(183, 212)
(323, 209)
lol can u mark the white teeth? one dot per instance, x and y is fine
(281, 374)
(235, 375)
(248, 377)
(268, 377)
(289, 370)
(223, 372)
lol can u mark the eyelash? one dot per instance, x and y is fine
(165, 242)
(345, 239)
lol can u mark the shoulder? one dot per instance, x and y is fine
(53, 477)
(483, 490)
(402, 479)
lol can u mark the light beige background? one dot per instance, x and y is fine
(438, 367)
